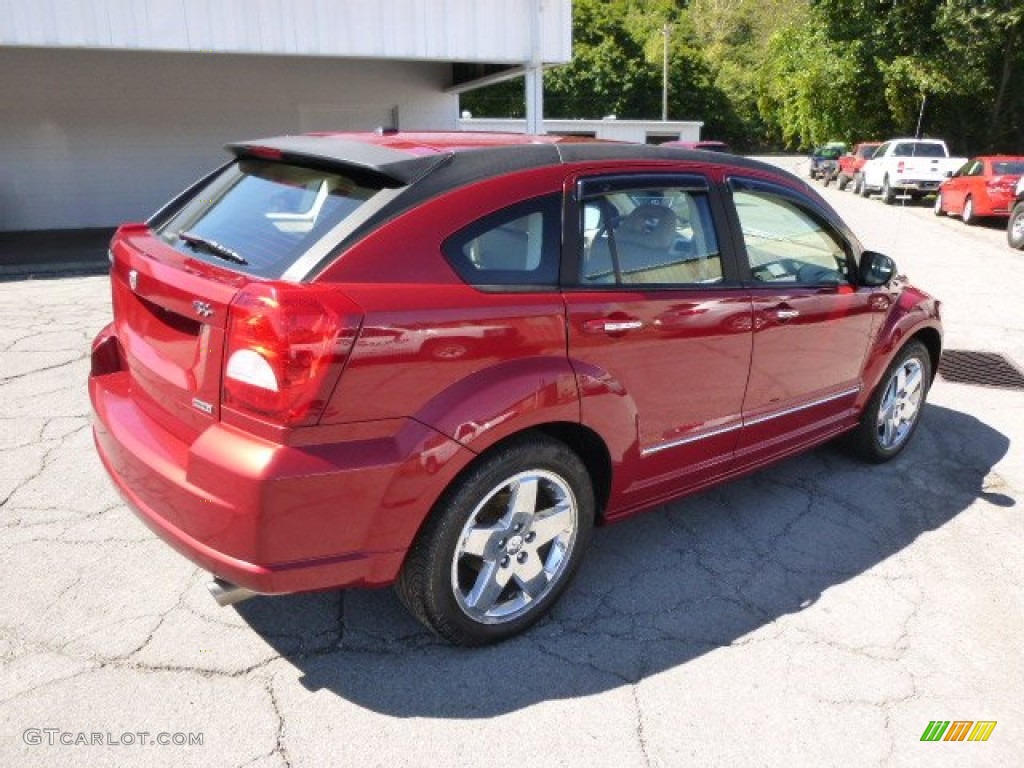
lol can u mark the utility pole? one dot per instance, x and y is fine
(666, 28)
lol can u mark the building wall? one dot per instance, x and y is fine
(453, 30)
(92, 138)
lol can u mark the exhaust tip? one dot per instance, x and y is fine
(226, 593)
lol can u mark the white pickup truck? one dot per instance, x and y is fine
(907, 166)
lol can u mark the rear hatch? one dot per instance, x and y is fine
(203, 278)
(923, 161)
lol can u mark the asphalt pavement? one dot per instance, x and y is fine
(818, 613)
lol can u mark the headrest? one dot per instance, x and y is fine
(649, 226)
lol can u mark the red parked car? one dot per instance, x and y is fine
(982, 187)
(620, 325)
(849, 165)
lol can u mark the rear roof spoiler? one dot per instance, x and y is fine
(389, 166)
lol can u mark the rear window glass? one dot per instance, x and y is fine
(1008, 167)
(866, 152)
(919, 149)
(260, 216)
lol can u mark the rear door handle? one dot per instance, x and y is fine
(603, 325)
(785, 315)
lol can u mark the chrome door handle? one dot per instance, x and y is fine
(612, 326)
(785, 315)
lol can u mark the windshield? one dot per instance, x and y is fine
(261, 216)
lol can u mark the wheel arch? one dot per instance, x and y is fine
(932, 341)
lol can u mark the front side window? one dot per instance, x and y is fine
(659, 235)
(786, 243)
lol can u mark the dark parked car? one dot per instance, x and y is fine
(824, 161)
(439, 360)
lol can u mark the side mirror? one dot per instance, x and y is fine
(875, 269)
(949, 174)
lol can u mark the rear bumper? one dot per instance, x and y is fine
(271, 518)
(916, 185)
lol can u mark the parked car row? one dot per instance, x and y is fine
(986, 186)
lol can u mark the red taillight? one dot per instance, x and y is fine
(284, 350)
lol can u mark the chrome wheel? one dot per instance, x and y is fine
(938, 204)
(515, 546)
(901, 404)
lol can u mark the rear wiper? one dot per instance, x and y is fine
(211, 246)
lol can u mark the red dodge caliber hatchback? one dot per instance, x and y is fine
(439, 360)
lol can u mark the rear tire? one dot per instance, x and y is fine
(888, 196)
(1015, 227)
(892, 414)
(501, 544)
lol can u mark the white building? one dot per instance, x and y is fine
(610, 129)
(109, 107)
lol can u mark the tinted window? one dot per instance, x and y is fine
(517, 246)
(786, 243)
(659, 235)
(866, 152)
(266, 213)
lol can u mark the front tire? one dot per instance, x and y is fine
(502, 543)
(859, 187)
(892, 414)
(1015, 227)
(842, 181)
(968, 216)
(937, 210)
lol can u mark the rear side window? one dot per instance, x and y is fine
(650, 236)
(516, 247)
(260, 216)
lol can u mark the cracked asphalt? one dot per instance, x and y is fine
(818, 613)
